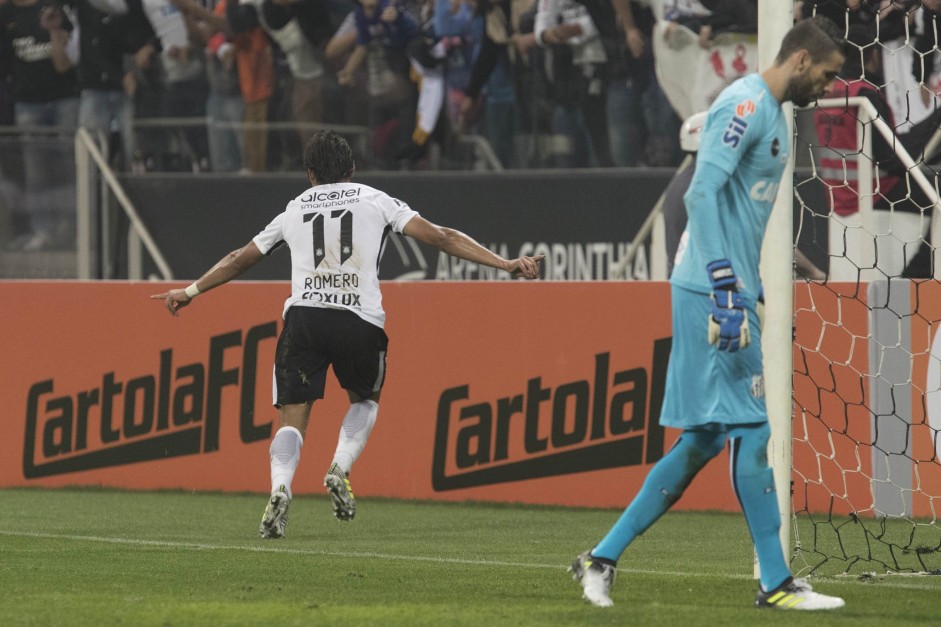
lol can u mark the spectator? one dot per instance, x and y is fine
(185, 82)
(172, 83)
(382, 21)
(343, 105)
(300, 28)
(579, 82)
(355, 96)
(315, 17)
(924, 59)
(462, 30)
(45, 94)
(906, 34)
(225, 107)
(501, 87)
(454, 22)
(383, 35)
(643, 125)
(146, 87)
(45, 87)
(426, 54)
(624, 43)
(896, 198)
(254, 61)
(105, 74)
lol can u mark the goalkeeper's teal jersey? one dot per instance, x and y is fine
(745, 136)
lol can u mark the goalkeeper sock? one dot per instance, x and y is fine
(285, 454)
(357, 425)
(662, 488)
(753, 481)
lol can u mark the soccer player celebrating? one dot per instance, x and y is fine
(334, 316)
(714, 384)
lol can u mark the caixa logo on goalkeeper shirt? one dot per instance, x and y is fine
(606, 420)
(171, 412)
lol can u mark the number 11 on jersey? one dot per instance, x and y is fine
(346, 235)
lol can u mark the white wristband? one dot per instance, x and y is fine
(191, 290)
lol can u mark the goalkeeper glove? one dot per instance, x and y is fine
(728, 318)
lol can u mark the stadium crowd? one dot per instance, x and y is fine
(576, 78)
(237, 85)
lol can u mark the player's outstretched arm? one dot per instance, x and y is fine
(460, 245)
(229, 267)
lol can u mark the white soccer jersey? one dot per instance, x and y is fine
(336, 234)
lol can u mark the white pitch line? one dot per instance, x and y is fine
(434, 559)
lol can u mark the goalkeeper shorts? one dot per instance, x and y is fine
(706, 385)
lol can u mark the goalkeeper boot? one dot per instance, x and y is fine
(275, 518)
(796, 594)
(337, 483)
(596, 579)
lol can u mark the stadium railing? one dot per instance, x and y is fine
(90, 162)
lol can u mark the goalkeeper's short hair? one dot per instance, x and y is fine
(818, 35)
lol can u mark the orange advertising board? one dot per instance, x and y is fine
(545, 393)
(521, 392)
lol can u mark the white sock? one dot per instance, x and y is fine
(285, 454)
(357, 425)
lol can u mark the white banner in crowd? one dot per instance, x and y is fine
(692, 76)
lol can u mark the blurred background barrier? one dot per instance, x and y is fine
(583, 220)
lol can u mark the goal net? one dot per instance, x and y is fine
(866, 474)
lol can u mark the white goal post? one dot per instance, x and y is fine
(775, 19)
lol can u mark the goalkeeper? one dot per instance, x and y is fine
(715, 390)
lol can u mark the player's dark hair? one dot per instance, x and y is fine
(818, 35)
(329, 156)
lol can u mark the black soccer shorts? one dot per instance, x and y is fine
(315, 338)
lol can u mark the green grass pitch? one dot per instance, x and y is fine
(101, 557)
